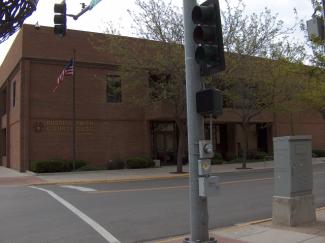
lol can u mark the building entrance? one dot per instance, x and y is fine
(164, 142)
(262, 137)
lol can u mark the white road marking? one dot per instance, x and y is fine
(80, 188)
(98, 228)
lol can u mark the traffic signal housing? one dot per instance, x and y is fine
(60, 19)
(207, 35)
(209, 102)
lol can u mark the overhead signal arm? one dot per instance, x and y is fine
(84, 9)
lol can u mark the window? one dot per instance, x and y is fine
(159, 85)
(113, 89)
(14, 93)
(3, 101)
(4, 142)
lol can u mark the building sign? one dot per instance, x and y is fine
(64, 126)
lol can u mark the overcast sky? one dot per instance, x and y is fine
(116, 11)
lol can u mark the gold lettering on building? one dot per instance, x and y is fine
(66, 126)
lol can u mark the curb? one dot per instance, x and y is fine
(244, 171)
(251, 223)
(95, 181)
(268, 219)
(178, 237)
(144, 178)
(28, 172)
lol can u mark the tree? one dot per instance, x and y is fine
(262, 55)
(163, 22)
(314, 94)
(248, 39)
(315, 43)
(161, 59)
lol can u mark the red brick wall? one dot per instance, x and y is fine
(104, 131)
(305, 123)
(14, 122)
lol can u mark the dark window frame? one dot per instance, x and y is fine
(157, 83)
(4, 142)
(14, 93)
(163, 132)
(3, 107)
(113, 89)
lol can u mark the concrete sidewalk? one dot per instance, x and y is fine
(11, 177)
(163, 172)
(264, 232)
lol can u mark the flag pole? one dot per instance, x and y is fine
(74, 111)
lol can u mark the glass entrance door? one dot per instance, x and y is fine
(164, 144)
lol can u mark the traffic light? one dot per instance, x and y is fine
(60, 19)
(207, 35)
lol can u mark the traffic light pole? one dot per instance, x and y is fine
(195, 124)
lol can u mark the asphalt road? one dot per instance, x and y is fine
(132, 211)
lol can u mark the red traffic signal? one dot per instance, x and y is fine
(60, 19)
(208, 36)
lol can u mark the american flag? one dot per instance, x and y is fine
(67, 71)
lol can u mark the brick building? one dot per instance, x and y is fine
(36, 124)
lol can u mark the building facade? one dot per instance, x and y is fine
(36, 123)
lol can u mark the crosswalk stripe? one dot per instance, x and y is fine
(79, 188)
(97, 227)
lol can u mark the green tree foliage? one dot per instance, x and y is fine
(261, 62)
(163, 22)
(158, 64)
(260, 57)
(314, 94)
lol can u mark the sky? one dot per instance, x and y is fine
(116, 12)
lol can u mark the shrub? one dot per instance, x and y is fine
(260, 155)
(263, 156)
(115, 165)
(78, 164)
(90, 168)
(251, 154)
(217, 159)
(139, 162)
(55, 165)
(318, 153)
(235, 160)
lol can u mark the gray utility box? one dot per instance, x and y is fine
(208, 186)
(292, 166)
(293, 201)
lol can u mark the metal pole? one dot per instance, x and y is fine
(195, 124)
(74, 111)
